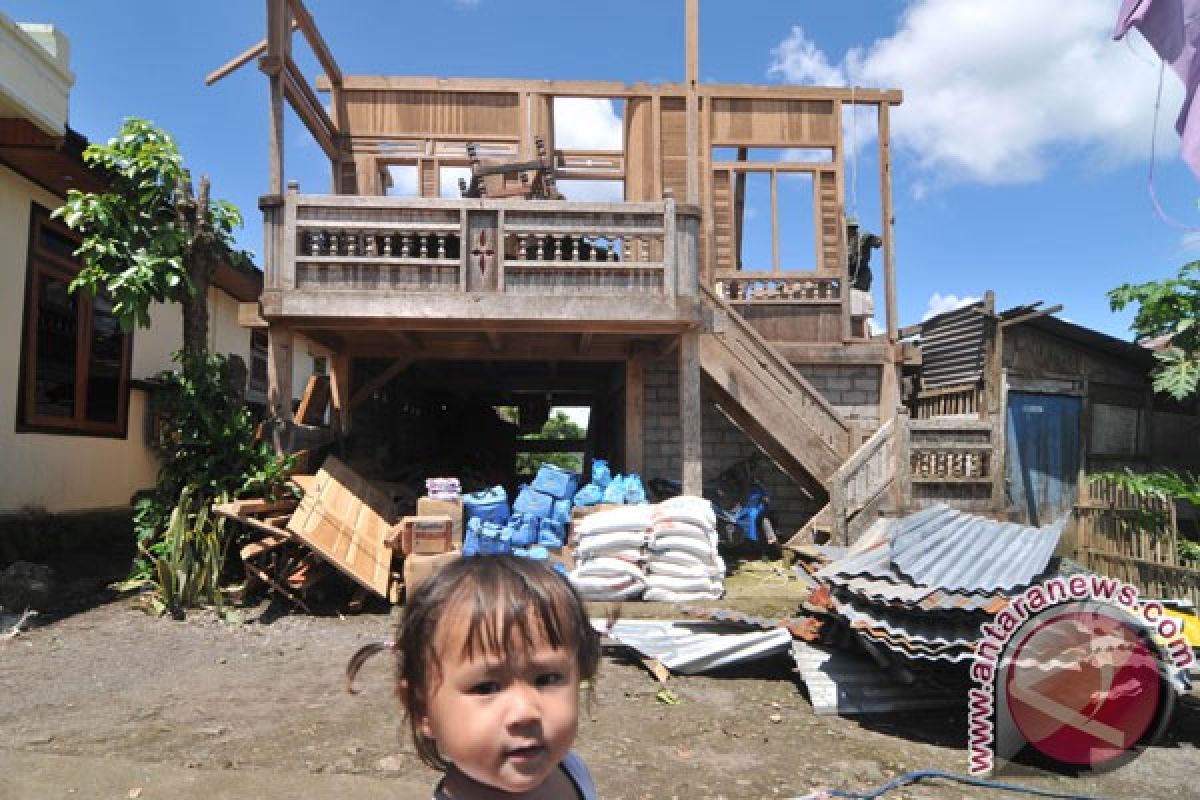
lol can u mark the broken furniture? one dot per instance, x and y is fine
(342, 522)
(534, 179)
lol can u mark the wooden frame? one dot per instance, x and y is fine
(44, 262)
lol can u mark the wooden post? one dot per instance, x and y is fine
(885, 187)
(692, 24)
(279, 381)
(339, 385)
(691, 412)
(279, 37)
(902, 482)
(635, 408)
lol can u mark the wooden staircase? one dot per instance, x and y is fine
(767, 398)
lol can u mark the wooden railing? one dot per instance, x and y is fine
(948, 460)
(336, 242)
(861, 483)
(759, 358)
(775, 287)
(950, 401)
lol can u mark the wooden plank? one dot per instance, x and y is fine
(304, 20)
(241, 59)
(380, 380)
(279, 373)
(340, 391)
(314, 401)
(345, 519)
(889, 222)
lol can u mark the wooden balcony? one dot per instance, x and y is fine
(445, 263)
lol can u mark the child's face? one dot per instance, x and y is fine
(503, 724)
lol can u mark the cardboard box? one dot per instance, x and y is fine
(426, 535)
(428, 507)
(579, 512)
(418, 568)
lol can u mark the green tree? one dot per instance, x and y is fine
(151, 238)
(558, 426)
(1168, 308)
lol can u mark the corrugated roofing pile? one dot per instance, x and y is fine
(916, 589)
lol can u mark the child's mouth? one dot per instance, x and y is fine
(527, 753)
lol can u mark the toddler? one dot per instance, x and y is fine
(490, 656)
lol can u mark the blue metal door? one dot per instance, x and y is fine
(1042, 455)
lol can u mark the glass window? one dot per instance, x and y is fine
(75, 362)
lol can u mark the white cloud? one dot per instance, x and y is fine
(996, 92)
(1189, 242)
(465, 5)
(587, 123)
(941, 303)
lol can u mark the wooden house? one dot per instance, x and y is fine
(688, 354)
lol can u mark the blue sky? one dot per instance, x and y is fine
(1020, 154)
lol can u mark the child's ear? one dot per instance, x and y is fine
(414, 709)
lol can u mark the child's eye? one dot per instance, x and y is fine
(485, 687)
(550, 679)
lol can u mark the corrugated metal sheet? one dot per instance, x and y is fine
(846, 683)
(690, 648)
(952, 348)
(963, 552)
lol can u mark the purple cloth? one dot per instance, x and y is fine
(1172, 27)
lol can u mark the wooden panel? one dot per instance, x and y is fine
(724, 254)
(673, 130)
(773, 123)
(344, 519)
(831, 225)
(640, 151)
(381, 113)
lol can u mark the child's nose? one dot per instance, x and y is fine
(524, 705)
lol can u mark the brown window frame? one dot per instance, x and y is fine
(39, 262)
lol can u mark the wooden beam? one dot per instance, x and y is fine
(313, 34)
(692, 26)
(1031, 315)
(585, 343)
(339, 396)
(410, 341)
(379, 381)
(889, 222)
(240, 60)
(279, 380)
(495, 340)
(307, 106)
(278, 51)
(248, 316)
(635, 407)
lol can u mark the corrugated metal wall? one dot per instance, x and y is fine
(952, 348)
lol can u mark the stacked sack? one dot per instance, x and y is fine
(610, 548)
(682, 563)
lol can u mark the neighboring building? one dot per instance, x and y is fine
(73, 413)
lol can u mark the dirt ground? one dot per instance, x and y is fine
(109, 702)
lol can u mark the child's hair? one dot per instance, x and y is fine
(509, 604)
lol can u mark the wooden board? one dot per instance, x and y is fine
(344, 518)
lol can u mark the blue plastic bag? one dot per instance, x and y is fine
(523, 529)
(555, 481)
(489, 505)
(635, 493)
(551, 533)
(615, 491)
(601, 474)
(562, 511)
(589, 495)
(531, 501)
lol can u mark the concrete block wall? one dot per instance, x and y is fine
(724, 444)
(853, 389)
